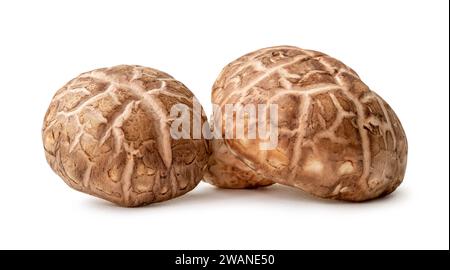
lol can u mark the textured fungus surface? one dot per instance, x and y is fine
(106, 133)
(336, 137)
(225, 170)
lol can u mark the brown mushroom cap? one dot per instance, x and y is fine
(106, 133)
(225, 170)
(336, 137)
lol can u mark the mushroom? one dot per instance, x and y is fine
(107, 133)
(225, 170)
(335, 137)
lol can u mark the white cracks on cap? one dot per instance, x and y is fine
(243, 92)
(114, 126)
(99, 133)
(365, 143)
(326, 120)
(154, 107)
(302, 116)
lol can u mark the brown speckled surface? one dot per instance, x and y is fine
(106, 133)
(336, 138)
(225, 170)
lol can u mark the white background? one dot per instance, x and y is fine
(399, 48)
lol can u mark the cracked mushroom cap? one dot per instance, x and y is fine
(107, 133)
(336, 138)
(225, 170)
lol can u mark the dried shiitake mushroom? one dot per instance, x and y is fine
(107, 133)
(336, 138)
(227, 171)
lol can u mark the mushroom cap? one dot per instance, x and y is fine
(106, 133)
(336, 137)
(225, 170)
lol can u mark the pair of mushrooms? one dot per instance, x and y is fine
(107, 132)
